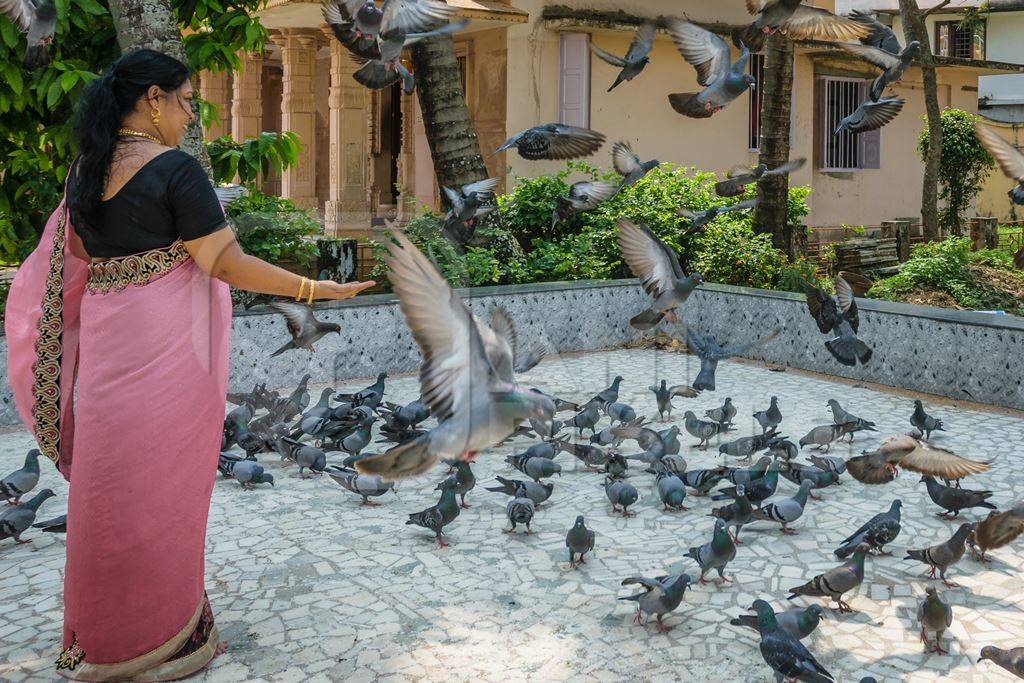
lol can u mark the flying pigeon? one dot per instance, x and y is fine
(797, 21)
(838, 316)
(360, 42)
(880, 466)
(583, 196)
(1010, 161)
(304, 328)
(723, 80)
(696, 221)
(636, 57)
(381, 73)
(892, 66)
(628, 165)
(880, 35)
(871, 115)
(39, 21)
(735, 185)
(465, 206)
(999, 529)
(554, 141)
(664, 394)
(710, 353)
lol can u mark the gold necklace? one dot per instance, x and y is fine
(139, 134)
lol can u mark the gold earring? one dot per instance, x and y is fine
(155, 115)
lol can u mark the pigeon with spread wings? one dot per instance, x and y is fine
(892, 66)
(797, 21)
(723, 81)
(838, 316)
(469, 387)
(660, 273)
(465, 206)
(871, 115)
(917, 455)
(554, 141)
(735, 185)
(39, 21)
(302, 325)
(1011, 162)
(710, 352)
(636, 58)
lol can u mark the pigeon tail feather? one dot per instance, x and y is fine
(647, 319)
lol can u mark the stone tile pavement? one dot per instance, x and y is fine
(307, 585)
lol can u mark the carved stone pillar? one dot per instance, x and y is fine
(298, 112)
(215, 88)
(348, 206)
(246, 97)
(408, 179)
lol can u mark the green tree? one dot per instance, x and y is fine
(963, 165)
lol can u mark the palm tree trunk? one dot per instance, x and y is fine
(152, 24)
(914, 29)
(771, 214)
(454, 146)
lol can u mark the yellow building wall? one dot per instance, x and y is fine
(993, 200)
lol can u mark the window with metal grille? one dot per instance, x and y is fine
(964, 40)
(755, 101)
(837, 98)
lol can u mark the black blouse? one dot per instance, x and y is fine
(168, 198)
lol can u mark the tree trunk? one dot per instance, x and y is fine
(454, 147)
(914, 29)
(771, 215)
(152, 24)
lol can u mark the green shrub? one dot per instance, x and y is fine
(794, 274)
(731, 254)
(5, 288)
(253, 156)
(274, 229)
(571, 258)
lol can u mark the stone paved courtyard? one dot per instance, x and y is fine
(307, 585)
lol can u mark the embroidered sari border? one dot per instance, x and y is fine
(136, 269)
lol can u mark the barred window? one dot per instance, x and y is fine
(837, 98)
(755, 101)
(964, 40)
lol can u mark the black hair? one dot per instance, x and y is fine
(102, 108)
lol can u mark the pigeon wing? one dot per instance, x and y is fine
(821, 307)
(568, 142)
(642, 252)
(814, 23)
(880, 35)
(608, 57)
(878, 114)
(847, 304)
(702, 49)
(485, 186)
(298, 316)
(1000, 528)
(788, 167)
(730, 351)
(413, 16)
(20, 12)
(1009, 158)
(642, 43)
(624, 159)
(872, 55)
(939, 462)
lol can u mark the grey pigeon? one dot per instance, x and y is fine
(746, 446)
(248, 473)
(799, 621)
(944, 555)
(785, 511)
(560, 404)
(724, 414)
(355, 442)
(464, 479)
(586, 419)
(310, 422)
(751, 474)
(304, 455)
(815, 476)
(735, 514)
(758, 490)
(934, 616)
(519, 510)
(797, 22)
(953, 500)
(876, 533)
(715, 554)
(783, 651)
(924, 422)
(636, 57)
(593, 457)
(554, 141)
(664, 394)
(821, 436)
(892, 66)
(710, 353)
(671, 491)
(605, 437)
(381, 73)
(304, 328)
(1011, 163)
(657, 267)
(476, 405)
(696, 221)
(1011, 660)
(535, 491)
(620, 494)
(585, 195)
(770, 418)
(396, 16)
(437, 517)
(619, 412)
(735, 185)
(616, 466)
(784, 450)
(837, 581)
(39, 21)
(880, 35)
(628, 165)
(465, 206)
(54, 525)
(661, 595)
(829, 463)
(842, 417)
(365, 485)
(579, 541)
(21, 481)
(352, 32)
(700, 429)
(371, 395)
(645, 438)
(722, 80)
(608, 395)
(703, 481)
(871, 115)
(15, 520)
(670, 440)
(838, 316)
(533, 467)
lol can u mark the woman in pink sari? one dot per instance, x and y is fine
(127, 296)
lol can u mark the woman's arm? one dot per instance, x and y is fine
(220, 256)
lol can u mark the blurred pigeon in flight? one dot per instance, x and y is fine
(39, 21)
(628, 165)
(797, 21)
(554, 141)
(465, 206)
(723, 80)
(636, 57)
(585, 195)
(871, 115)
(302, 325)
(892, 66)
(659, 271)
(838, 316)
(735, 185)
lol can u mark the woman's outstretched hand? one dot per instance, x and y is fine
(329, 289)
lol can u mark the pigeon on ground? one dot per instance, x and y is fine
(784, 450)
(381, 73)
(871, 115)
(465, 206)
(661, 595)
(535, 491)
(579, 541)
(840, 416)
(476, 406)
(533, 467)
(700, 429)
(746, 476)
(620, 493)
(875, 534)
(593, 457)
(310, 422)
(696, 221)
(365, 485)
(880, 35)
(735, 185)
(670, 439)
(671, 491)
(783, 651)
(924, 422)
(586, 419)
(702, 481)
(585, 195)
(636, 57)
(723, 81)
(664, 395)
(248, 473)
(645, 438)
(944, 555)
(934, 615)
(735, 514)
(953, 500)
(371, 395)
(616, 466)
(1010, 660)
(397, 417)
(560, 405)
(21, 481)
(799, 621)
(880, 466)
(605, 437)
(464, 479)
(304, 328)
(838, 316)
(437, 517)
(630, 166)
(771, 418)
(999, 529)
(710, 353)
(662, 277)
(785, 511)
(304, 456)
(359, 438)
(39, 20)
(815, 476)
(892, 66)
(519, 510)
(829, 463)
(554, 141)
(15, 520)
(745, 446)
(797, 22)
(54, 525)
(715, 554)
(836, 581)
(619, 412)
(724, 414)
(1009, 158)
(608, 395)
(820, 437)
(758, 490)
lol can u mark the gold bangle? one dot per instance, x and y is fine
(302, 288)
(312, 289)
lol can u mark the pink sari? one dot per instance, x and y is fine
(146, 339)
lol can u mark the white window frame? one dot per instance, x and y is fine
(574, 79)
